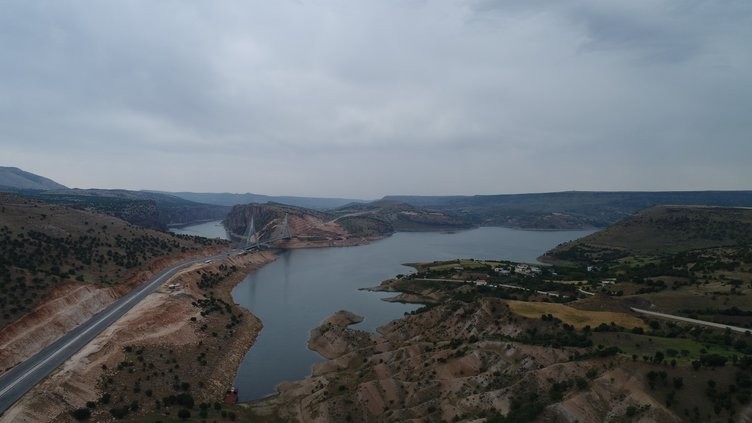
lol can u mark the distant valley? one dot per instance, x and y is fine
(394, 213)
(568, 342)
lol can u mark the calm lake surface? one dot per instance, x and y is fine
(303, 287)
(213, 229)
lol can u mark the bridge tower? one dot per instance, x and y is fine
(251, 237)
(286, 234)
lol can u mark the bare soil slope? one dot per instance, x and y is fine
(59, 266)
(457, 362)
(177, 343)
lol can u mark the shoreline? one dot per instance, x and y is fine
(165, 321)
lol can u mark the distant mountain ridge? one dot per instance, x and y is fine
(13, 177)
(569, 209)
(397, 216)
(146, 209)
(230, 199)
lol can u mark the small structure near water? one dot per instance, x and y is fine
(231, 396)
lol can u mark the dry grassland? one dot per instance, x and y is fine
(573, 316)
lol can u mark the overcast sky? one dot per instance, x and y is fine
(360, 99)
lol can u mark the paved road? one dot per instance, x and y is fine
(17, 381)
(688, 320)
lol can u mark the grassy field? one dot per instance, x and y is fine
(465, 264)
(573, 316)
(687, 349)
(697, 298)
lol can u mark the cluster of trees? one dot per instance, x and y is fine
(32, 261)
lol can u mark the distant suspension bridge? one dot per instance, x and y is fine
(253, 239)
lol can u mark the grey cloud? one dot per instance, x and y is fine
(540, 94)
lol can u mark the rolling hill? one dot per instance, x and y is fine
(567, 210)
(147, 209)
(357, 221)
(662, 230)
(14, 178)
(44, 247)
(230, 199)
(395, 216)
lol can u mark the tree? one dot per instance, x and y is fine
(81, 414)
(184, 414)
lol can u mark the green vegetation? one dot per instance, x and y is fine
(662, 230)
(365, 226)
(647, 347)
(563, 210)
(146, 209)
(43, 246)
(693, 261)
(385, 217)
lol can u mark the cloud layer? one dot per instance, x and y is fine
(362, 99)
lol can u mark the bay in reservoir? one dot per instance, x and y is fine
(212, 229)
(294, 294)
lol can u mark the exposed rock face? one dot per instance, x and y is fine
(41, 327)
(308, 228)
(67, 306)
(333, 339)
(167, 323)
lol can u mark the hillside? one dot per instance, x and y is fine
(359, 222)
(15, 178)
(567, 210)
(48, 248)
(146, 209)
(230, 199)
(390, 216)
(692, 261)
(308, 228)
(661, 230)
(143, 208)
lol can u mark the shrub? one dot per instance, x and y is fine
(105, 399)
(631, 411)
(119, 413)
(81, 414)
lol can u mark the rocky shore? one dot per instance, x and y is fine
(456, 361)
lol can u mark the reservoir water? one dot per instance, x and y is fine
(303, 287)
(213, 229)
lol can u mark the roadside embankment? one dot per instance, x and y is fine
(67, 306)
(184, 340)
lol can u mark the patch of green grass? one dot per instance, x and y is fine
(687, 349)
(694, 297)
(416, 286)
(465, 264)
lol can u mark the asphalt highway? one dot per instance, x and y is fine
(17, 381)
